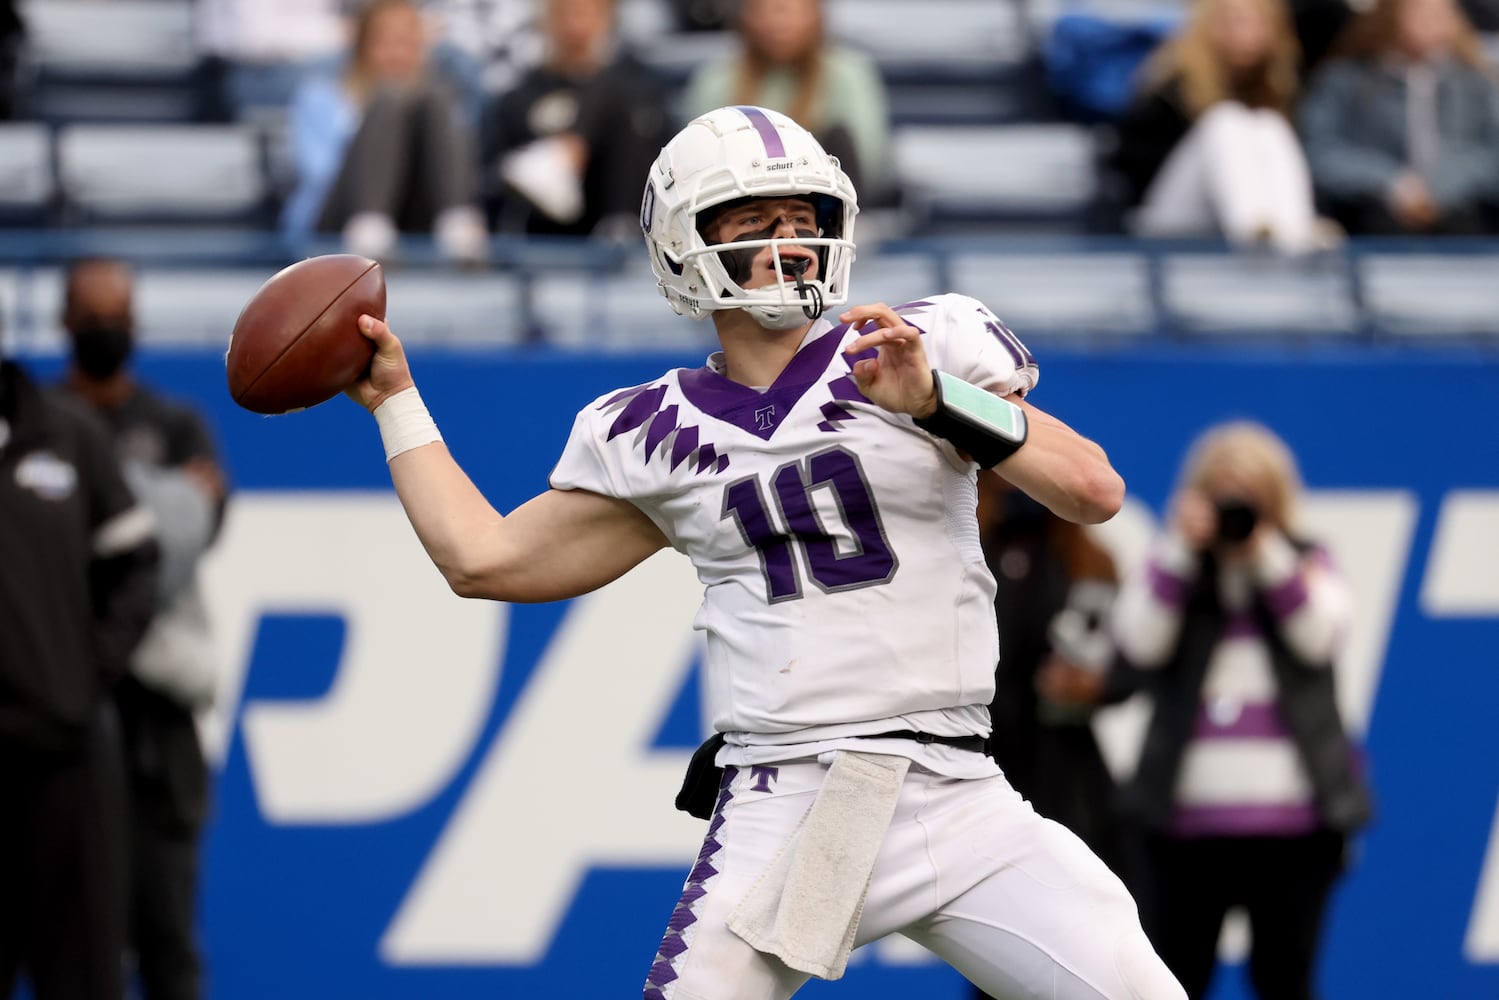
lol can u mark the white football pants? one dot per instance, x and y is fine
(1014, 902)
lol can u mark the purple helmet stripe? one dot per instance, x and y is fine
(774, 148)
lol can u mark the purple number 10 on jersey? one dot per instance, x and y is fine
(870, 561)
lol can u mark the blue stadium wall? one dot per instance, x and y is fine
(420, 796)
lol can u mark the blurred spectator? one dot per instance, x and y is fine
(1484, 14)
(566, 151)
(1318, 24)
(1247, 785)
(1402, 123)
(785, 62)
(380, 148)
(702, 15)
(1055, 588)
(1207, 149)
(169, 460)
(77, 582)
(256, 52)
(481, 47)
(12, 35)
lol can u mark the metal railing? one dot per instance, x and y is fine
(1089, 290)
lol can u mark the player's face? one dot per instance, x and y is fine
(763, 219)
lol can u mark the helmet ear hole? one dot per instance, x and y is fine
(670, 264)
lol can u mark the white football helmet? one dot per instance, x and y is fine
(731, 154)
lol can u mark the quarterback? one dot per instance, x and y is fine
(820, 473)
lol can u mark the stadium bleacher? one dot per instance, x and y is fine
(997, 202)
(28, 182)
(110, 60)
(167, 173)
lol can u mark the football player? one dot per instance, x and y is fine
(820, 473)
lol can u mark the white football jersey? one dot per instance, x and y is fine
(837, 542)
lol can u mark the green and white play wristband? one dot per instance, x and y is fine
(989, 429)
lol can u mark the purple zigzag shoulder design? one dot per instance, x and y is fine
(843, 390)
(641, 405)
(659, 432)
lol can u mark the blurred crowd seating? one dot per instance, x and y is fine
(998, 195)
(115, 81)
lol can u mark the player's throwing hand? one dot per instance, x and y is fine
(388, 373)
(898, 377)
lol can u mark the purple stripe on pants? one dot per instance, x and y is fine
(673, 947)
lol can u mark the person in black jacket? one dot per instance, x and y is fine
(77, 584)
(567, 149)
(1055, 586)
(169, 457)
(1247, 785)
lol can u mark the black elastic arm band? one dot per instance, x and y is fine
(977, 422)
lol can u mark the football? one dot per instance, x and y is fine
(297, 341)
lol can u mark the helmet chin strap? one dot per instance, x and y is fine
(798, 268)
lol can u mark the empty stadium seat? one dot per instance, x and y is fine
(117, 35)
(1231, 293)
(893, 278)
(94, 60)
(616, 311)
(1028, 176)
(447, 309)
(1071, 293)
(193, 307)
(10, 310)
(933, 32)
(31, 310)
(27, 181)
(1431, 294)
(162, 173)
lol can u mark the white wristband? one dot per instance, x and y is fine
(405, 423)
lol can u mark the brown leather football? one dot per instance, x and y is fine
(297, 341)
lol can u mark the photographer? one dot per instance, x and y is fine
(1247, 787)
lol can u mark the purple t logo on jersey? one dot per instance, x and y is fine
(765, 418)
(763, 777)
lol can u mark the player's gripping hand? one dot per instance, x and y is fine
(898, 377)
(388, 373)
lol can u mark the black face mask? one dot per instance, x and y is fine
(1236, 520)
(101, 347)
